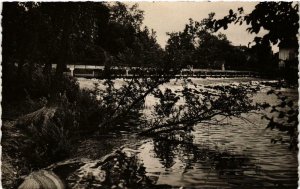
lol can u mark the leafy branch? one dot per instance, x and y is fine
(200, 105)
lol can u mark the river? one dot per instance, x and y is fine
(235, 154)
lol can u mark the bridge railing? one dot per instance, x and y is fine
(100, 72)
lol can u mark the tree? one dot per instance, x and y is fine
(181, 45)
(197, 45)
(148, 50)
(75, 26)
(52, 32)
(213, 49)
(200, 105)
(38, 35)
(127, 41)
(279, 19)
(283, 116)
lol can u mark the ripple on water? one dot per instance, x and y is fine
(270, 165)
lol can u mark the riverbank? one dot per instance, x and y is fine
(15, 167)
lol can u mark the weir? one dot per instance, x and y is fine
(93, 71)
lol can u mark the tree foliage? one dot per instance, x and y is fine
(198, 46)
(39, 34)
(197, 106)
(279, 19)
(283, 117)
(58, 33)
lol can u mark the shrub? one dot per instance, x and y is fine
(32, 82)
(50, 131)
(89, 111)
(48, 144)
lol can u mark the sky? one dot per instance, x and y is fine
(166, 17)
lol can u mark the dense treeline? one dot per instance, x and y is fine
(72, 32)
(36, 35)
(280, 22)
(199, 46)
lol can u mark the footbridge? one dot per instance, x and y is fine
(93, 71)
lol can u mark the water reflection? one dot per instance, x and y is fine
(165, 151)
(179, 163)
(188, 153)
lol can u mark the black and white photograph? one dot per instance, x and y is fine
(149, 95)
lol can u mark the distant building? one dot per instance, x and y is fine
(288, 52)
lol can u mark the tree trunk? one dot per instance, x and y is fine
(65, 44)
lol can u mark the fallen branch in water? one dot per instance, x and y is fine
(201, 106)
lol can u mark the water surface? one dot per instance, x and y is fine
(235, 154)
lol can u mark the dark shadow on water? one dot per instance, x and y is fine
(224, 162)
(236, 170)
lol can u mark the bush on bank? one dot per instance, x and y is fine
(55, 113)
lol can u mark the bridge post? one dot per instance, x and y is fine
(72, 67)
(127, 72)
(223, 66)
